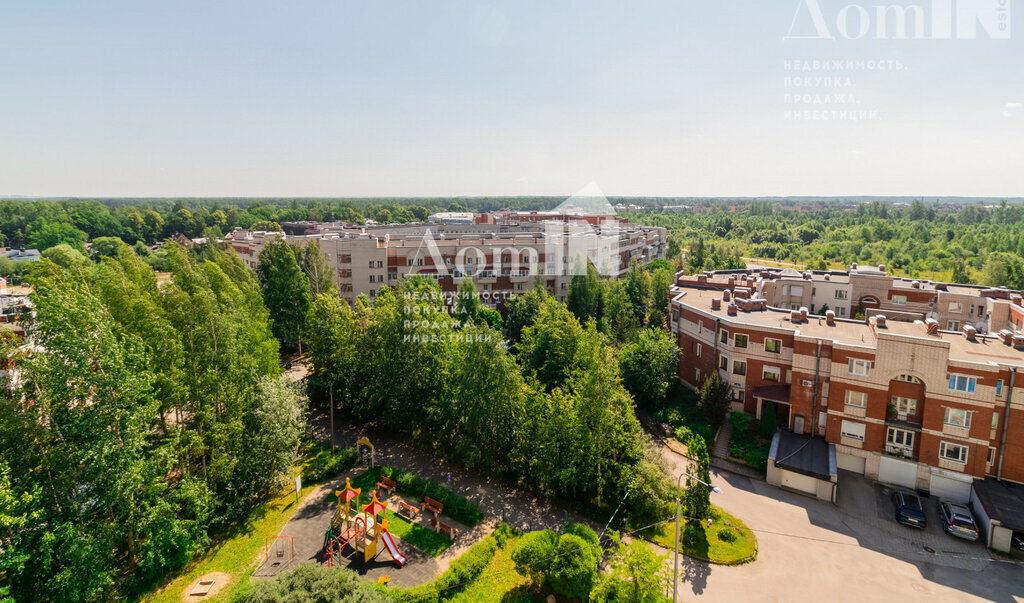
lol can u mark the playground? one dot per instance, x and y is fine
(384, 530)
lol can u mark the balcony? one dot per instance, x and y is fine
(956, 431)
(899, 451)
(951, 465)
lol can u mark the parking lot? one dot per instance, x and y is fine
(809, 550)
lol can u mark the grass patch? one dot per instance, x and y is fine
(727, 542)
(235, 555)
(746, 445)
(502, 582)
(425, 539)
(322, 465)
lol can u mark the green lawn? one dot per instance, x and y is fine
(500, 582)
(235, 555)
(708, 544)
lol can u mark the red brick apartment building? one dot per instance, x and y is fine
(895, 397)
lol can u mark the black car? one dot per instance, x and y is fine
(909, 510)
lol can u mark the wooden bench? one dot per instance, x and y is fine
(387, 484)
(445, 529)
(432, 505)
(408, 511)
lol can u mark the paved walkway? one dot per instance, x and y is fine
(721, 447)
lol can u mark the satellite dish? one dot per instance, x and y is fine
(932, 315)
(981, 327)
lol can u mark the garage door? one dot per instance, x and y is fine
(951, 488)
(849, 462)
(799, 482)
(897, 472)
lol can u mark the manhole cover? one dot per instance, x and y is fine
(930, 549)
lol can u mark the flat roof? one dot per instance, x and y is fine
(852, 332)
(1003, 502)
(804, 454)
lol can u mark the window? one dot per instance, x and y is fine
(725, 336)
(958, 417)
(858, 399)
(737, 395)
(995, 421)
(739, 367)
(899, 300)
(724, 363)
(952, 325)
(960, 383)
(740, 341)
(773, 345)
(771, 373)
(841, 312)
(853, 430)
(796, 290)
(991, 455)
(841, 293)
(900, 437)
(956, 308)
(999, 387)
(953, 452)
(700, 326)
(700, 349)
(371, 263)
(904, 406)
(696, 373)
(859, 366)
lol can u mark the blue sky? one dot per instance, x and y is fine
(333, 98)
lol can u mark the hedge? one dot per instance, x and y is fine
(461, 572)
(416, 487)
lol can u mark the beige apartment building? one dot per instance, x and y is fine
(501, 254)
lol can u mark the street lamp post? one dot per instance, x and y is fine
(675, 568)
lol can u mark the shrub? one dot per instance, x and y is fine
(323, 466)
(727, 535)
(574, 571)
(740, 422)
(461, 572)
(308, 582)
(531, 551)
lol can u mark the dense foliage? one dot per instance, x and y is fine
(978, 243)
(551, 413)
(313, 583)
(567, 561)
(140, 418)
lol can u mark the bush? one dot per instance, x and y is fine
(740, 422)
(461, 572)
(323, 466)
(727, 535)
(414, 486)
(309, 582)
(574, 571)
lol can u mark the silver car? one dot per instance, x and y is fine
(957, 520)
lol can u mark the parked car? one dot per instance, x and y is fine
(1018, 542)
(957, 520)
(909, 510)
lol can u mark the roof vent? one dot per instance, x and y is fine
(795, 316)
(853, 265)
(1018, 341)
(916, 284)
(732, 282)
(830, 318)
(932, 325)
(970, 332)
(727, 295)
(1016, 299)
(716, 304)
(880, 321)
(828, 277)
(881, 267)
(702, 279)
(807, 276)
(941, 287)
(803, 313)
(732, 310)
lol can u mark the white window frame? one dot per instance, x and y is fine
(841, 294)
(947, 447)
(849, 429)
(952, 325)
(861, 398)
(892, 433)
(966, 414)
(962, 383)
(738, 363)
(777, 350)
(905, 406)
(723, 336)
(991, 455)
(898, 300)
(860, 362)
(700, 349)
(772, 370)
(724, 363)
(736, 340)
(956, 307)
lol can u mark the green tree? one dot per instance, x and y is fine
(286, 291)
(960, 272)
(317, 269)
(314, 582)
(45, 235)
(584, 299)
(715, 398)
(467, 303)
(648, 366)
(522, 312)
(638, 574)
(697, 497)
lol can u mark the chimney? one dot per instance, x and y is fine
(941, 287)
(716, 304)
(803, 313)
(1016, 299)
(881, 268)
(853, 265)
(916, 285)
(880, 321)
(1018, 341)
(932, 325)
(970, 333)
(702, 279)
(731, 310)
(828, 277)
(807, 276)
(795, 316)
(727, 295)
(830, 318)
(1006, 336)
(732, 282)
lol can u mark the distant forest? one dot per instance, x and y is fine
(966, 242)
